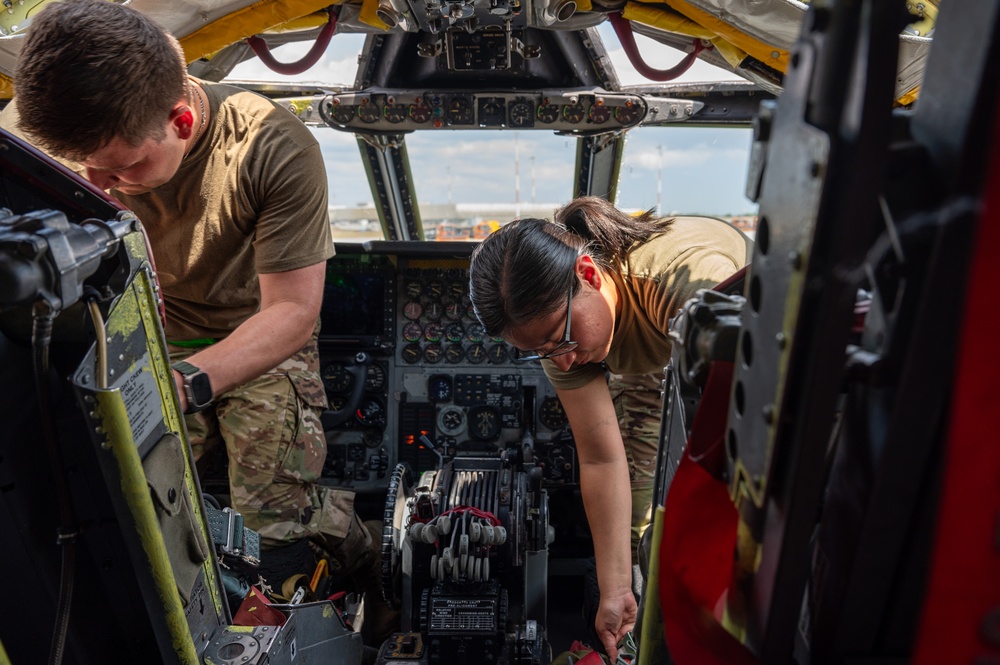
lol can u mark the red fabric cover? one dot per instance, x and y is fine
(959, 623)
(255, 610)
(699, 538)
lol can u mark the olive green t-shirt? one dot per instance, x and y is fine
(250, 199)
(655, 281)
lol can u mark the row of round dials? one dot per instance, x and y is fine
(460, 111)
(435, 310)
(455, 353)
(445, 332)
(434, 288)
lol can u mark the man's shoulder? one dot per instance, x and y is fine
(249, 110)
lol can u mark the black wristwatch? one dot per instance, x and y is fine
(197, 386)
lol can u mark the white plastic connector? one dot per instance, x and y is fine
(414, 533)
(444, 524)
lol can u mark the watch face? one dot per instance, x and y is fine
(201, 389)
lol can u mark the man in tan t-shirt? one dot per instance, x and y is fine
(231, 190)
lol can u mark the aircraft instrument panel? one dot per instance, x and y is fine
(411, 376)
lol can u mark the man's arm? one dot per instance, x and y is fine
(289, 305)
(607, 497)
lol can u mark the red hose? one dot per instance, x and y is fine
(263, 52)
(623, 28)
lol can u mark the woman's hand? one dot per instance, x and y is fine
(615, 617)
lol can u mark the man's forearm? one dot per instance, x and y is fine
(259, 344)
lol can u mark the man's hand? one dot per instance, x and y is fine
(615, 617)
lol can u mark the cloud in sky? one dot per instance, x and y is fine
(703, 169)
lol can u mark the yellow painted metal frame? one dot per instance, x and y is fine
(138, 307)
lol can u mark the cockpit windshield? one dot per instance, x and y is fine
(467, 183)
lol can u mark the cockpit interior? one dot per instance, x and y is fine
(833, 392)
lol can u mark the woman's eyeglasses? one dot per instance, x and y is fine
(563, 348)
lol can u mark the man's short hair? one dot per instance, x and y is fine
(92, 70)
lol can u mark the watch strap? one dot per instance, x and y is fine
(185, 368)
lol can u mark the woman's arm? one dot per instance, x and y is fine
(604, 483)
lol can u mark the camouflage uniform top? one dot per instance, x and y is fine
(655, 281)
(250, 199)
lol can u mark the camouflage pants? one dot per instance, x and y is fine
(275, 445)
(639, 407)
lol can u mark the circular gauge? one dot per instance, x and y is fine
(491, 111)
(337, 403)
(372, 438)
(371, 413)
(420, 112)
(629, 114)
(455, 332)
(375, 380)
(548, 113)
(412, 310)
(522, 113)
(454, 354)
(470, 312)
(433, 353)
(475, 332)
(454, 310)
(476, 354)
(368, 112)
(395, 113)
(599, 113)
(412, 353)
(412, 331)
(439, 388)
(551, 413)
(451, 420)
(573, 113)
(456, 289)
(434, 289)
(498, 354)
(498, 340)
(459, 111)
(434, 310)
(337, 379)
(433, 332)
(413, 288)
(484, 422)
(342, 113)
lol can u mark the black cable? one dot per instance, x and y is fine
(41, 337)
